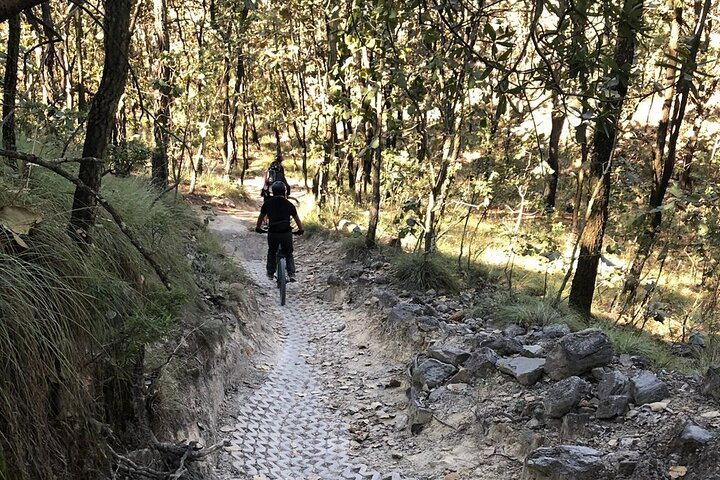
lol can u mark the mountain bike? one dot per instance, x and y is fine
(281, 276)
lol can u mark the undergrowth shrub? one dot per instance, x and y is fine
(74, 322)
(354, 248)
(422, 272)
(531, 311)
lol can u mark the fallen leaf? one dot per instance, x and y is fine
(18, 219)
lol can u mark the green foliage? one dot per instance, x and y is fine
(129, 157)
(422, 272)
(635, 342)
(64, 310)
(354, 248)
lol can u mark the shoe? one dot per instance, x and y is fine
(291, 278)
(270, 276)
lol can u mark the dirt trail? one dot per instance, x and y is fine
(287, 422)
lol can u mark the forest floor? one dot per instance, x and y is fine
(328, 393)
(327, 399)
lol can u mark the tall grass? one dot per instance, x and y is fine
(72, 320)
(421, 271)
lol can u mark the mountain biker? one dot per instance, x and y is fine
(279, 210)
(275, 173)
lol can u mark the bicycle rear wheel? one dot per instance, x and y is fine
(282, 279)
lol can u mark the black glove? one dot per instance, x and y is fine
(300, 232)
(259, 230)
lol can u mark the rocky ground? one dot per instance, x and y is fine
(385, 383)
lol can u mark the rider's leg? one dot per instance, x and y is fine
(287, 245)
(273, 242)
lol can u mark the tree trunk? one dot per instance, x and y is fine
(101, 116)
(664, 164)
(10, 8)
(370, 239)
(81, 103)
(551, 182)
(160, 168)
(583, 285)
(10, 87)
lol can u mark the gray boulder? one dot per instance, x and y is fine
(691, 438)
(404, 313)
(574, 425)
(565, 462)
(555, 330)
(532, 351)
(451, 355)
(513, 330)
(565, 395)
(526, 370)
(432, 373)
(612, 406)
(428, 324)
(482, 362)
(612, 383)
(386, 298)
(711, 383)
(503, 345)
(645, 387)
(577, 353)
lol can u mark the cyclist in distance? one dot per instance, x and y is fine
(279, 210)
(274, 173)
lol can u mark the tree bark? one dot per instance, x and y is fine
(10, 87)
(102, 115)
(583, 285)
(10, 8)
(160, 167)
(551, 181)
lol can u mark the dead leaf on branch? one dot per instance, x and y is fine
(18, 221)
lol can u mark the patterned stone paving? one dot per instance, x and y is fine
(285, 430)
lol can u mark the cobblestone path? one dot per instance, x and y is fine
(285, 429)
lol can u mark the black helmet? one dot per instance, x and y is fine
(278, 189)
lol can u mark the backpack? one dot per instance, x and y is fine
(272, 173)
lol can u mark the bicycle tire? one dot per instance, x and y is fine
(282, 280)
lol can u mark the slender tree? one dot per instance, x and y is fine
(10, 86)
(583, 284)
(102, 115)
(663, 160)
(160, 168)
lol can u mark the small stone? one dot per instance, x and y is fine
(657, 406)
(710, 415)
(432, 373)
(451, 355)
